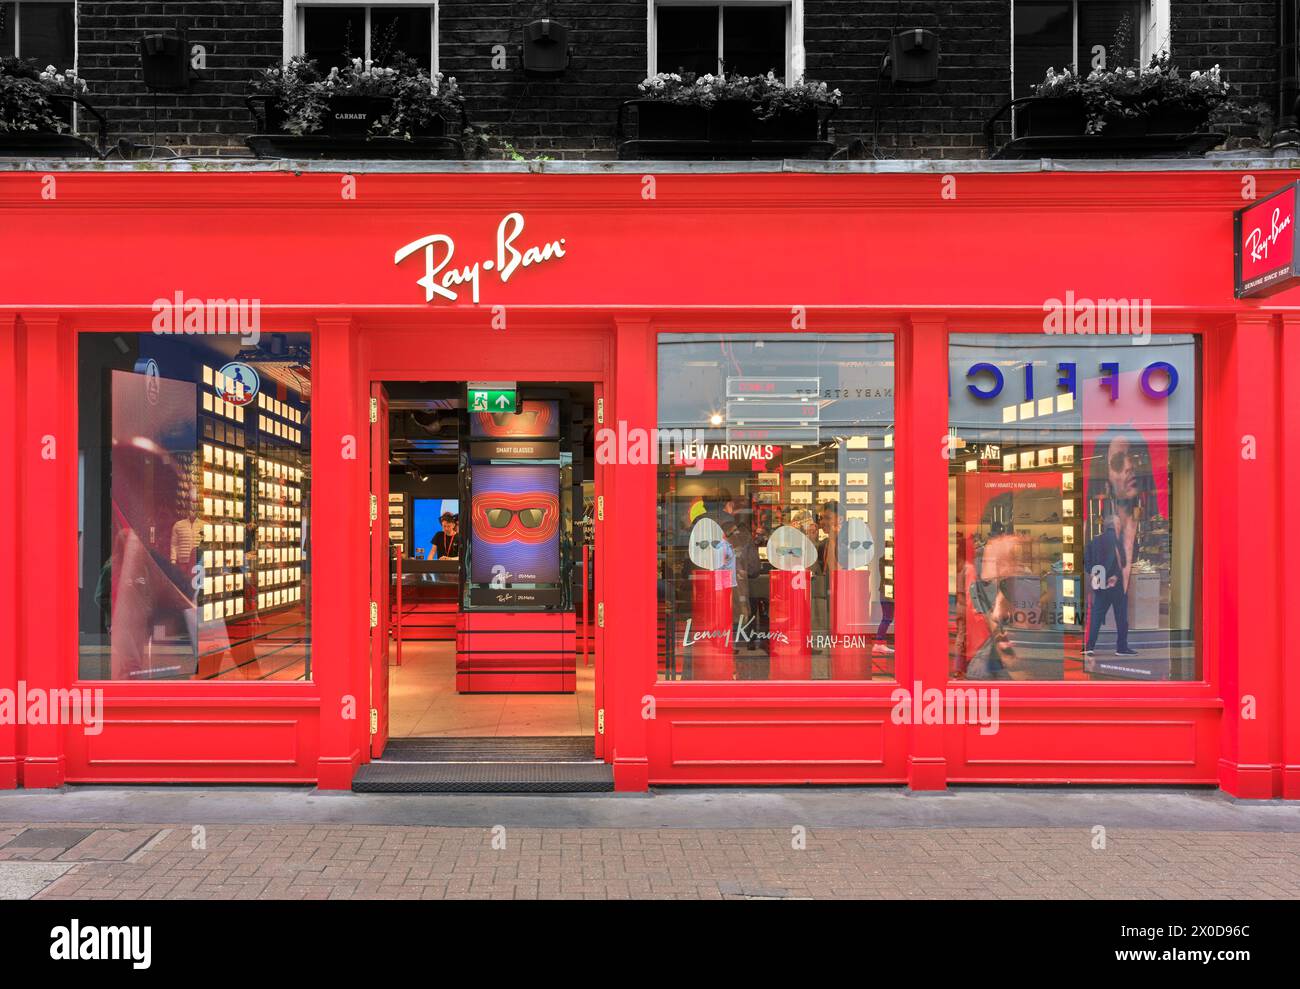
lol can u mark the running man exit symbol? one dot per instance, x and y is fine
(495, 396)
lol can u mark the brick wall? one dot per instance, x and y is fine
(573, 116)
(240, 38)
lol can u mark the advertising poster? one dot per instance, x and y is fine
(153, 608)
(1011, 561)
(515, 525)
(534, 420)
(1131, 441)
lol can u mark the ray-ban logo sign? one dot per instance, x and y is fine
(442, 276)
(1267, 260)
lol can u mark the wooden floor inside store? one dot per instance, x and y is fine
(422, 701)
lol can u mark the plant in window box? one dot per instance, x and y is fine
(291, 98)
(420, 104)
(674, 107)
(360, 99)
(1179, 104)
(35, 108)
(731, 107)
(793, 112)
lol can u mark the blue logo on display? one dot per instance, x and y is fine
(993, 379)
(237, 383)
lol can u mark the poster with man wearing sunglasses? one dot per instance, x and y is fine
(1008, 615)
(1121, 487)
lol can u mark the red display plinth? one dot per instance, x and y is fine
(712, 656)
(850, 624)
(516, 652)
(791, 623)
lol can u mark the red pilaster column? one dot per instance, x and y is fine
(46, 537)
(9, 530)
(1247, 521)
(630, 580)
(1289, 536)
(921, 516)
(340, 564)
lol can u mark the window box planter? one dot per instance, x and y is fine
(802, 125)
(267, 112)
(732, 120)
(660, 121)
(1060, 134)
(440, 141)
(51, 144)
(354, 115)
(1177, 118)
(727, 130)
(1051, 117)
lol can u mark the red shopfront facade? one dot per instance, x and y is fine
(625, 265)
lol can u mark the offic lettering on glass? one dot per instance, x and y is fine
(986, 381)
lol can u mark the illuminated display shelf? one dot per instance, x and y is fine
(278, 503)
(249, 475)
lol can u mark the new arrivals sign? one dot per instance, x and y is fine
(1264, 238)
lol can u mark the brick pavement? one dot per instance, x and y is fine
(356, 861)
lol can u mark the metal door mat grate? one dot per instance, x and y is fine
(484, 777)
(554, 748)
(62, 838)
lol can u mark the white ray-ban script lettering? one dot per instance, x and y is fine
(1259, 243)
(439, 249)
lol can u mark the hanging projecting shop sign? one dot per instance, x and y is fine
(1264, 241)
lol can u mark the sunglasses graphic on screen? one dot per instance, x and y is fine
(526, 417)
(523, 516)
(529, 518)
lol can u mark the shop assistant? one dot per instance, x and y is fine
(446, 544)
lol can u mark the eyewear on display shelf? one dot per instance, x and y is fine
(706, 543)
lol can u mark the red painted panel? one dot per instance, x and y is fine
(200, 744)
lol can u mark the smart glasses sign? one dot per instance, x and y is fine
(1264, 240)
(442, 278)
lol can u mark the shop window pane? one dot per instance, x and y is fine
(332, 35)
(1073, 508)
(6, 30)
(753, 40)
(1044, 38)
(194, 506)
(47, 33)
(686, 39)
(776, 507)
(404, 30)
(1113, 27)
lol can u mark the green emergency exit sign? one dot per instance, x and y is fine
(493, 396)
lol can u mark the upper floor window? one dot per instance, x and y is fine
(1086, 34)
(751, 38)
(331, 32)
(45, 32)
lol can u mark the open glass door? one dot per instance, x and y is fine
(380, 563)
(595, 594)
